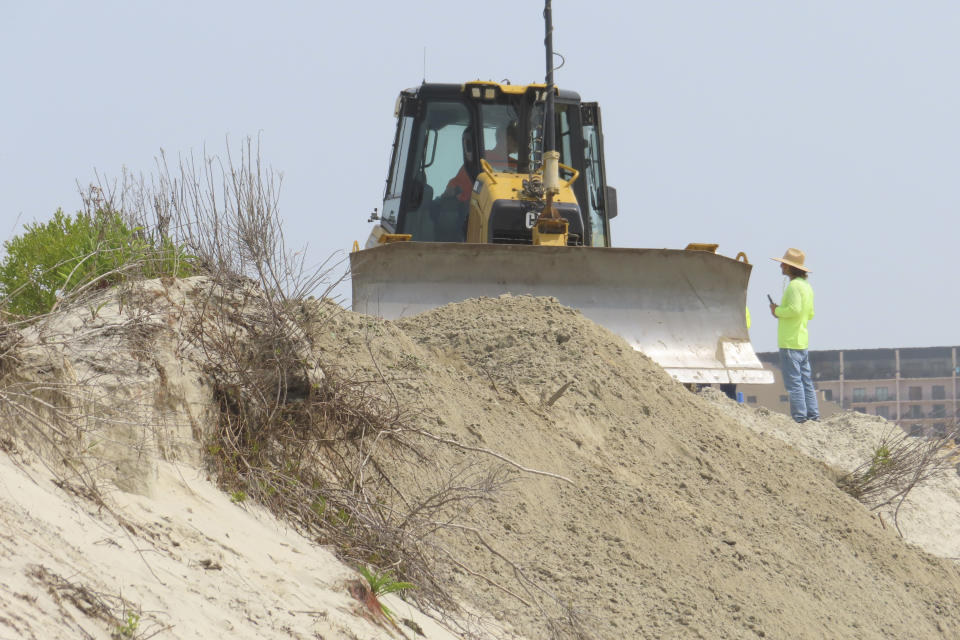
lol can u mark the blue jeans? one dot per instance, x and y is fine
(797, 380)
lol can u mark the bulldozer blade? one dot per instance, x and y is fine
(684, 309)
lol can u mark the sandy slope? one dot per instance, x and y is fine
(929, 518)
(680, 522)
(171, 547)
(685, 516)
(188, 561)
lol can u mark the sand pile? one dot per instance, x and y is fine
(679, 522)
(930, 516)
(668, 514)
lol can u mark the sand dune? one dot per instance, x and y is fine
(659, 513)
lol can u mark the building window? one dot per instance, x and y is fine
(915, 393)
(883, 393)
(939, 411)
(940, 429)
(916, 431)
(939, 392)
(828, 395)
(916, 411)
(784, 398)
(752, 399)
(859, 395)
(883, 412)
(860, 409)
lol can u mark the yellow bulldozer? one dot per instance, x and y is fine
(497, 188)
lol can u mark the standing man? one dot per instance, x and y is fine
(794, 312)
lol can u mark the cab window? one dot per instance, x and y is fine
(442, 174)
(501, 145)
(401, 148)
(561, 135)
(594, 179)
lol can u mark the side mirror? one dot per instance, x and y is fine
(610, 202)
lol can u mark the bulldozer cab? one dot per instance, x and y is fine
(450, 136)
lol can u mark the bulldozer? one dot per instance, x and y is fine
(495, 188)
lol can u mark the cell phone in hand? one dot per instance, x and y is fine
(770, 299)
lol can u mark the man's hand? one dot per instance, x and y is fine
(773, 309)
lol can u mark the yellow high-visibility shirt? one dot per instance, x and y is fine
(795, 311)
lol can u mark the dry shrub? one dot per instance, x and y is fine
(318, 449)
(899, 464)
(40, 416)
(293, 434)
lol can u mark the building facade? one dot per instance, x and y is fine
(915, 387)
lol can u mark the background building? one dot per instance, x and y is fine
(915, 387)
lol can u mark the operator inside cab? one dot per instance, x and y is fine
(504, 156)
(461, 184)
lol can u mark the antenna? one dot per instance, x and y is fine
(551, 157)
(549, 142)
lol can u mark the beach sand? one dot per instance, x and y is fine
(635, 508)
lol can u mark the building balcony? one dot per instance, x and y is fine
(871, 399)
(893, 399)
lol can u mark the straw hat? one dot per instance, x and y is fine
(794, 258)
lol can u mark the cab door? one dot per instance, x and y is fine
(601, 200)
(406, 111)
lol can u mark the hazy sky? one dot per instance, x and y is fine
(830, 125)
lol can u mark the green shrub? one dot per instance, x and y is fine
(51, 259)
(382, 584)
(129, 627)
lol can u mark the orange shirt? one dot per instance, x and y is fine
(461, 185)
